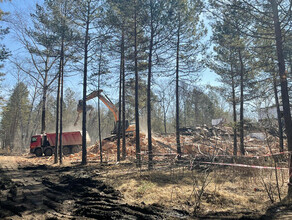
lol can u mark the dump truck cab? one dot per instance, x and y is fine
(36, 143)
(39, 144)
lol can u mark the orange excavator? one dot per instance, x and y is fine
(97, 93)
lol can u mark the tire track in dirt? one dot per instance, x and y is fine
(45, 192)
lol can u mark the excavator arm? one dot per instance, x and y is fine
(110, 105)
(104, 99)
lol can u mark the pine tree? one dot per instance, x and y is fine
(17, 108)
(4, 53)
(85, 14)
(225, 65)
(158, 17)
(187, 33)
(284, 86)
(261, 12)
(233, 50)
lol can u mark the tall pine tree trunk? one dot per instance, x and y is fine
(61, 109)
(62, 61)
(138, 156)
(164, 119)
(120, 109)
(123, 97)
(280, 127)
(241, 129)
(44, 98)
(284, 87)
(234, 113)
(98, 105)
(44, 102)
(150, 155)
(177, 92)
(84, 150)
(98, 112)
(58, 113)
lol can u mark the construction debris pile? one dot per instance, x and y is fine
(203, 141)
(194, 141)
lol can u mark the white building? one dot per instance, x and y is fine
(269, 112)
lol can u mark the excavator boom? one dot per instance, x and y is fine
(105, 100)
(110, 105)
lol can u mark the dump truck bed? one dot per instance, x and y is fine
(68, 138)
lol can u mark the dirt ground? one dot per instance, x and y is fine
(34, 188)
(40, 191)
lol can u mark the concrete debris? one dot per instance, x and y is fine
(260, 136)
(218, 121)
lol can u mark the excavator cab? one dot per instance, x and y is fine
(116, 127)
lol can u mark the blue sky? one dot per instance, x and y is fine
(207, 76)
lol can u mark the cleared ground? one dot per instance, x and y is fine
(38, 191)
(34, 188)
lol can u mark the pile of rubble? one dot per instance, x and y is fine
(194, 141)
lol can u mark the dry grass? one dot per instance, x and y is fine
(229, 189)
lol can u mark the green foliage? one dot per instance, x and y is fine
(119, 17)
(229, 45)
(130, 98)
(69, 109)
(198, 108)
(4, 52)
(15, 116)
(42, 33)
(191, 30)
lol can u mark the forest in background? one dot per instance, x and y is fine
(147, 56)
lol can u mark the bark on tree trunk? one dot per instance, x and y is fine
(44, 101)
(44, 98)
(242, 150)
(61, 111)
(84, 150)
(123, 97)
(138, 156)
(120, 109)
(58, 113)
(150, 155)
(177, 93)
(279, 117)
(98, 112)
(164, 119)
(234, 113)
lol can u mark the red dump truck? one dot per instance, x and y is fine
(45, 143)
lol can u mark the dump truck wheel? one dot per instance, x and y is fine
(66, 150)
(48, 152)
(38, 152)
(75, 149)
